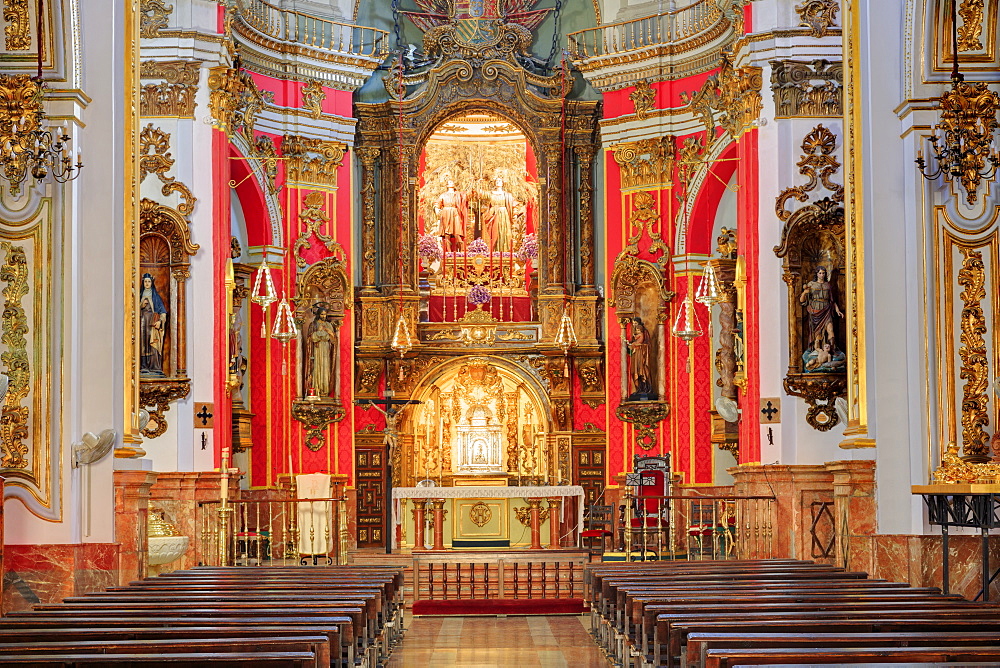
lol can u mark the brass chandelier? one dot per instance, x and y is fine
(968, 121)
(26, 147)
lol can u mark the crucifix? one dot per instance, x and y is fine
(392, 409)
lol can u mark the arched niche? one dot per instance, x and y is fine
(470, 397)
(165, 252)
(639, 297)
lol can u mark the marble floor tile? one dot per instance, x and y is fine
(488, 642)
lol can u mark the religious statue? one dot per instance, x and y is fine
(237, 360)
(820, 301)
(498, 219)
(321, 345)
(152, 327)
(640, 371)
(452, 212)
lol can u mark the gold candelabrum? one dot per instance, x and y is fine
(524, 515)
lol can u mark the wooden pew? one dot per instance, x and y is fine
(729, 658)
(699, 643)
(185, 660)
(318, 646)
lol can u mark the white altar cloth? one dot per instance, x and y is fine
(492, 492)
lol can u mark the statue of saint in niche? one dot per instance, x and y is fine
(452, 212)
(152, 327)
(498, 219)
(639, 363)
(821, 353)
(321, 346)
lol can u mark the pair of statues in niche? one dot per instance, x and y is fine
(822, 352)
(498, 210)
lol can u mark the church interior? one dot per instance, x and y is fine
(492, 301)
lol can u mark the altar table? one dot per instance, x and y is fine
(459, 494)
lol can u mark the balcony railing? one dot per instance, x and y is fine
(665, 28)
(314, 32)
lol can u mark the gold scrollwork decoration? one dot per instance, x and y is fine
(646, 163)
(644, 217)
(14, 420)
(235, 100)
(645, 415)
(971, 30)
(312, 162)
(17, 32)
(20, 101)
(818, 15)
(643, 98)
(734, 93)
(154, 158)
(480, 514)
(153, 17)
(169, 100)
(184, 72)
(315, 417)
(523, 514)
(312, 216)
(819, 165)
(973, 353)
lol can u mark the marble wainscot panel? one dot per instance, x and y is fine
(178, 495)
(131, 518)
(49, 573)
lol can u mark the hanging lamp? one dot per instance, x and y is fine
(566, 336)
(686, 325)
(263, 293)
(285, 328)
(709, 292)
(402, 341)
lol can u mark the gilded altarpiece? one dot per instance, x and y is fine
(29, 459)
(497, 336)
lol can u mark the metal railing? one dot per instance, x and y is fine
(663, 28)
(313, 31)
(288, 532)
(699, 527)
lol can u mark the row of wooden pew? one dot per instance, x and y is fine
(722, 614)
(343, 616)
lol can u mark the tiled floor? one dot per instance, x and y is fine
(484, 642)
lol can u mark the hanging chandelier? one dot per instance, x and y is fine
(566, 336)
(686, 325)
(966, 127)
(26, 146)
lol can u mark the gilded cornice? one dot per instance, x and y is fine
(312, 162)
(167, 100)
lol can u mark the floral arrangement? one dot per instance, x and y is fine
(478, 247)
(478, 295)
(427, 246)
(528, 249)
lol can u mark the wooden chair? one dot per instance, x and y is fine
(599, 521)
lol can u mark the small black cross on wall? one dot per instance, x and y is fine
(769, 410)
(205, 415)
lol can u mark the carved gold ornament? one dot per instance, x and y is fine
(154, 158)
(312, 98)
(316, 416)
(647, 163)
(955, 469)
(644, 416)
(313, 216)
(643, 98)
(185, 72)
(818, 15)
(644, 218)
(523, 514)
(156, 395)
(235, 100)
(733, 94)
(17, 36)
(20, 109)
(171, 100)
(971, 29)
(17, 367)
(312, 162)
(973, 353)
(153, 17)
(807, 89)
(480, 514)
